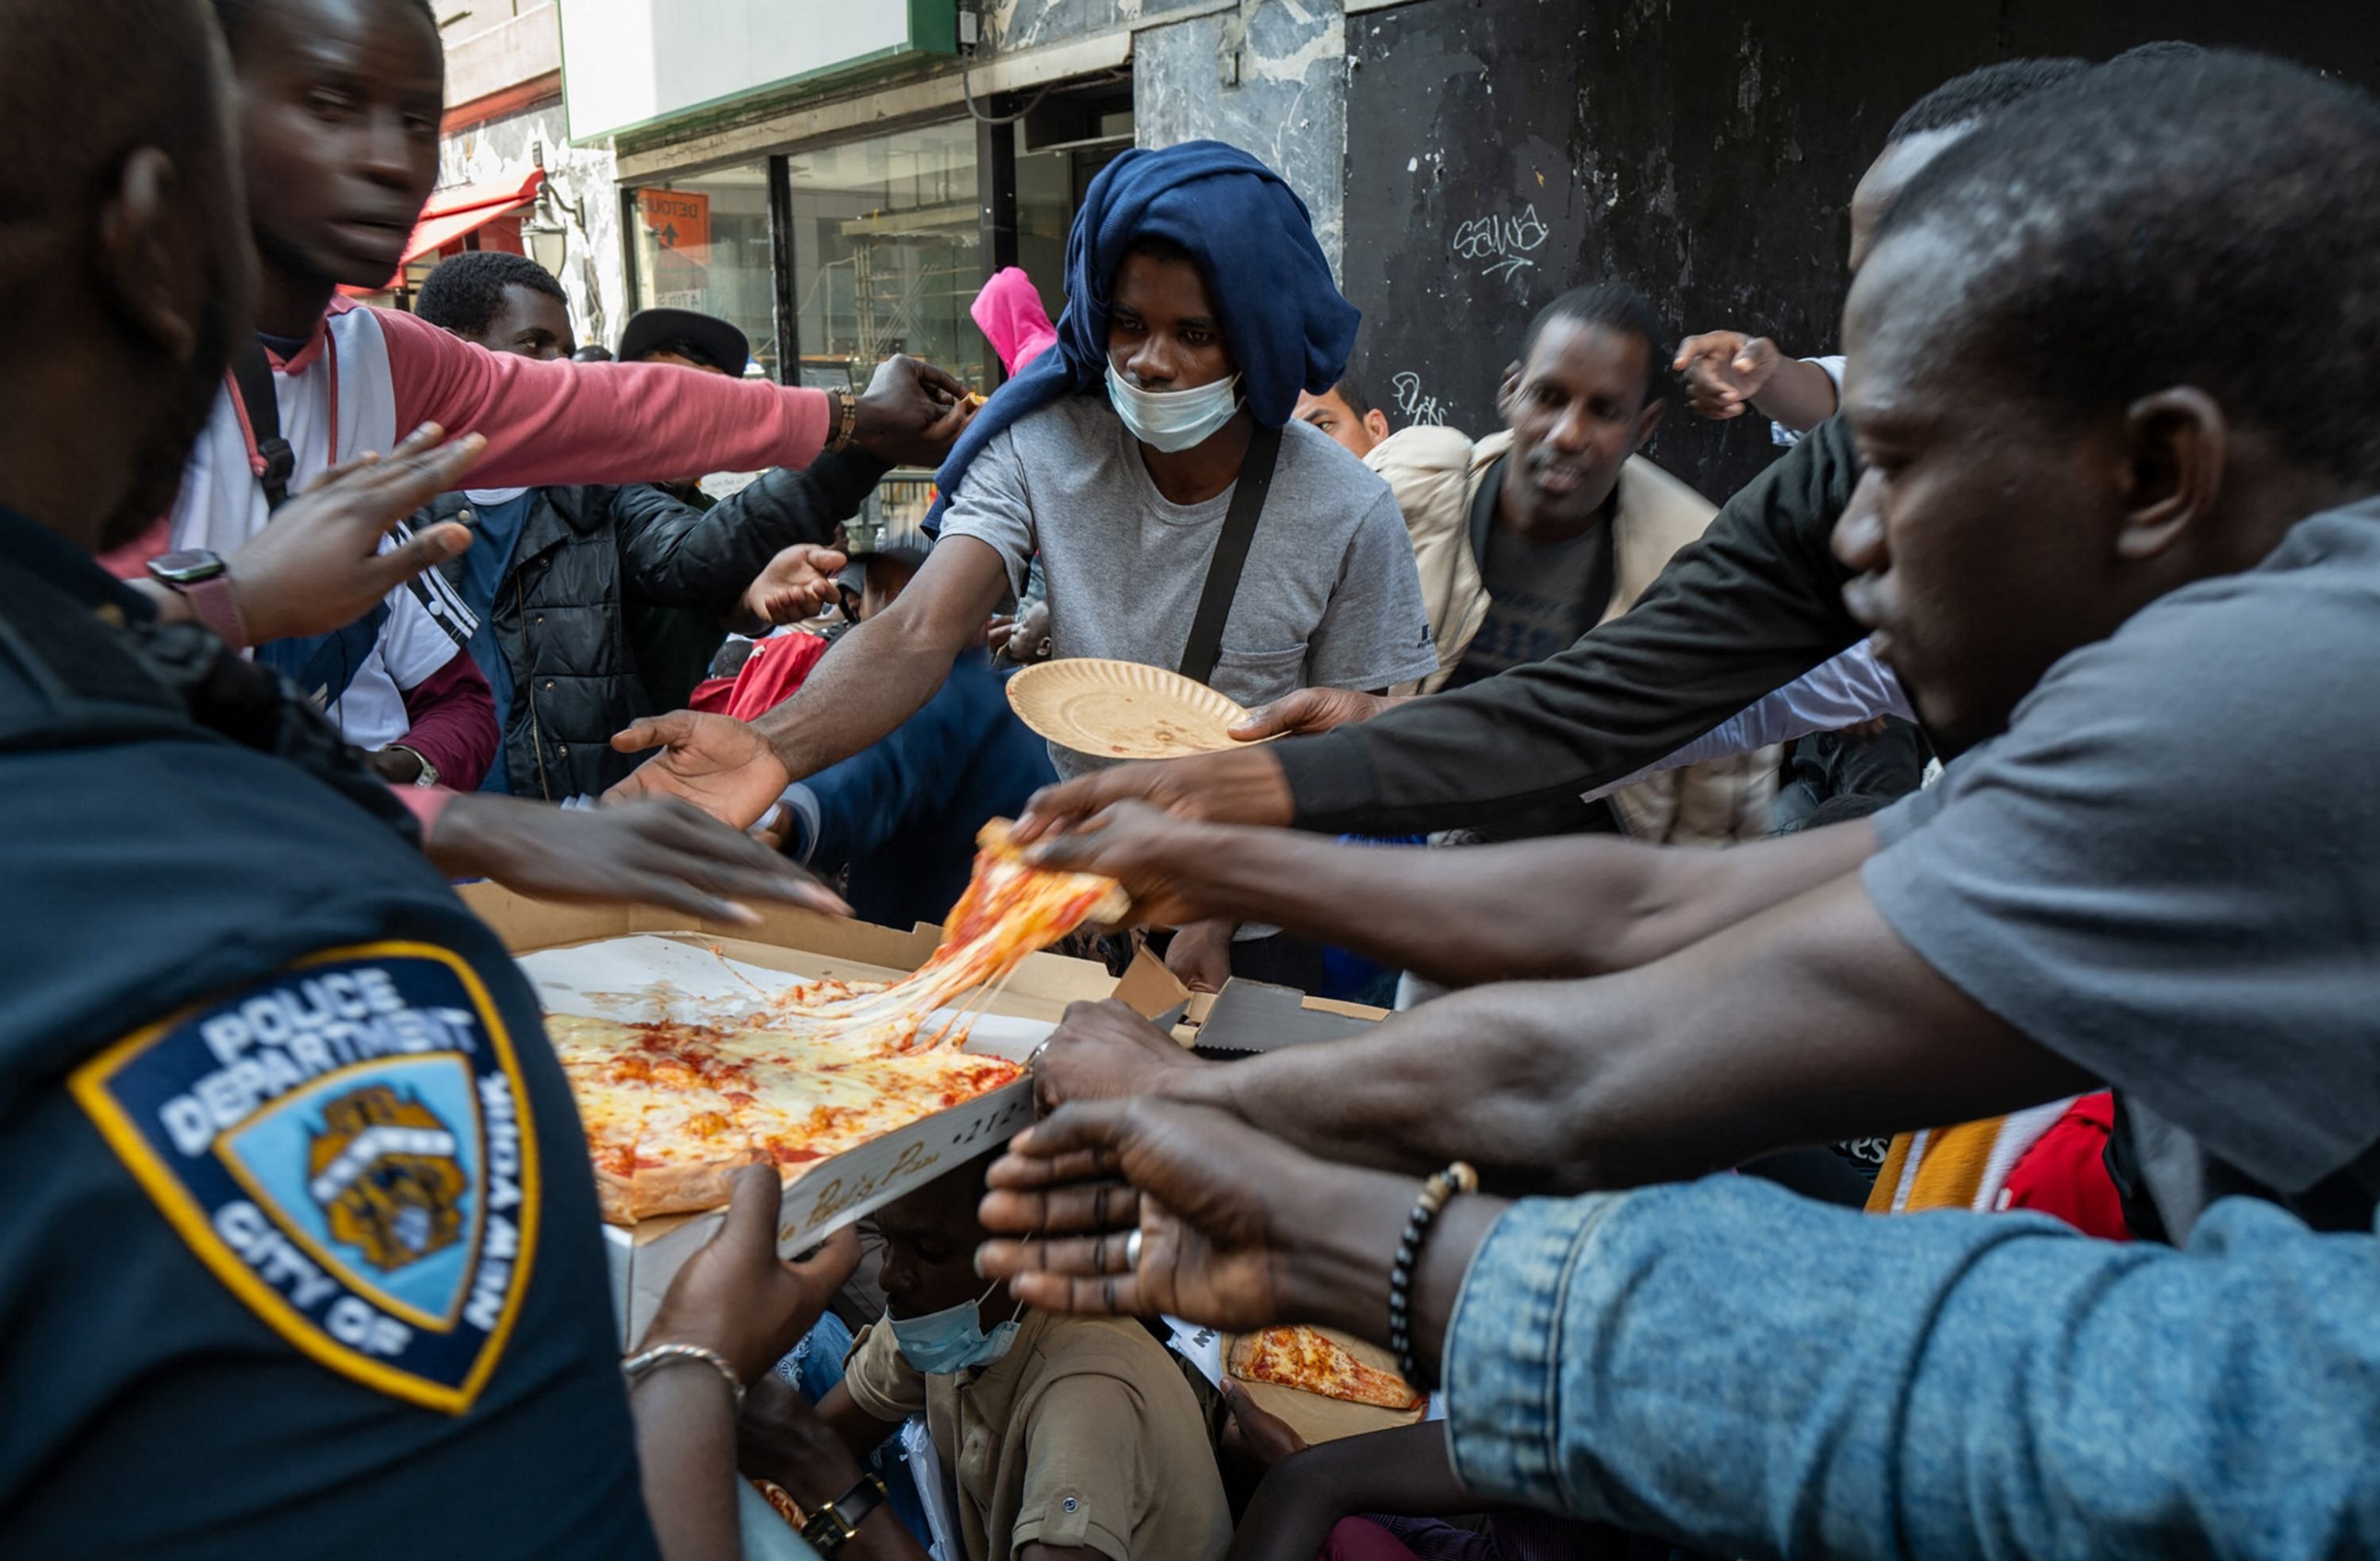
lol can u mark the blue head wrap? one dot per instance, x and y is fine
(1283, 318)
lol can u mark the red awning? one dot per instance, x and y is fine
(460, 209)
(456, 210)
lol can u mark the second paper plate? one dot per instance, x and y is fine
(1122, 709)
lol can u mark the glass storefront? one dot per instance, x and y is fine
(887, 254)
(703, 243)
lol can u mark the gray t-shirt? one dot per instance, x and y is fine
(2168, 869)
(1328, 597)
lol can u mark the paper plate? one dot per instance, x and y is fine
(1122, 709)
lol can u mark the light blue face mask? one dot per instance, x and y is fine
(1172, 420)
(941, 1343)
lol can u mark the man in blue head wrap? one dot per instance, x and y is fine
(1199, 307)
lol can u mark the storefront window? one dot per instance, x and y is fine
(887, 254)
(1050, 179)
(703, 243)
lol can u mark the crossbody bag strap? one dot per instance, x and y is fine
(253, 372)
(1231, 555)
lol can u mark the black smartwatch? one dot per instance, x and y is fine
(833, 1526)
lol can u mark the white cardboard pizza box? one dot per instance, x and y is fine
(835, 1191)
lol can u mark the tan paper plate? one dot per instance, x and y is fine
(1122, 709)
(1318, 1419)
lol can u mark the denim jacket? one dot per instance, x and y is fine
(1752, 1375)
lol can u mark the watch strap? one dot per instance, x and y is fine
(216, 604)
(835, 1524)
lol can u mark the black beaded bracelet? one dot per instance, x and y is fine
(1442, 1186)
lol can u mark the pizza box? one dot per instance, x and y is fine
(1247, 1017)
(835, 1191)
(1311, 1415)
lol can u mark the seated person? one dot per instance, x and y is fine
(554, 570)
(1066, 1438)
(901, 814)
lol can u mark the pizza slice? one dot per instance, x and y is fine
(1313, 1362)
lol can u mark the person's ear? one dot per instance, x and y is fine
(2176, 443)
(1647, 421)
(1375, 423)
(147, 259)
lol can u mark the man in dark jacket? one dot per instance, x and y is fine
(556, 569)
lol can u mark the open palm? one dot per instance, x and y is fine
(718, 763)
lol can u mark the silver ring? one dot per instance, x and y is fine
(1132, 1253)
(1034, 1056)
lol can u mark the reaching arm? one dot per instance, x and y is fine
(880, 673)
(1753, 605)
(554, 424)
(1535, 910)
(875, 677)
(1404, 1471)
(1807, 1022)
(1674, 1360)
(675, 555)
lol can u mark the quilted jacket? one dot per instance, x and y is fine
(586, 553)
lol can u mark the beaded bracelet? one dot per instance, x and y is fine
(846, 420)
(1443, 1185)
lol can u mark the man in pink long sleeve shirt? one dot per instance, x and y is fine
(340, 102)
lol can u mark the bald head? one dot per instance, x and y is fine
(123, 263)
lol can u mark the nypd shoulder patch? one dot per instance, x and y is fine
(347, 1145)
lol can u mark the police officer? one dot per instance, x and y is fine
(302, 1254)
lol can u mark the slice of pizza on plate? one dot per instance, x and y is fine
(1310, 1359)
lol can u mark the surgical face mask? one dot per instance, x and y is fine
(941, 1343)
(1170, 420)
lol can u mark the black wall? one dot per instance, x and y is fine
(1501, 151)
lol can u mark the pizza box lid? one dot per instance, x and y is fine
(1311, 1415)
(1246, 1017)
(835, 1191)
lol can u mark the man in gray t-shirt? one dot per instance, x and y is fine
(1329, 596)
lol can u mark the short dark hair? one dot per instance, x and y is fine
(1981, 93)
(1351, 389)
(1615, 306)
(466, 291)
(235, 17)
(2208, 220)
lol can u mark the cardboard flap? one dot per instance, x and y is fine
(1252, 1016)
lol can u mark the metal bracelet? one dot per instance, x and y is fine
(637, 1365)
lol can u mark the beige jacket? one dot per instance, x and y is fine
(1435, 474)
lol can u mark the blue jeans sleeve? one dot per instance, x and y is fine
(1752, 1374)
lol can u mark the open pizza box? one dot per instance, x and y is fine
(581, 956)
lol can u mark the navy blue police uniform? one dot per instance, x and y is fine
(301, 1254)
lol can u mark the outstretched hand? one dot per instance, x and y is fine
(318, 564)
(911, 413)
(659, 852)
(1104, 1051)
(1156, 855)
(718, 763)
(1724, 370)
(1310, 711)
(735, 1295)
(1238, 1231)
(1239, 786)
(797, 584)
